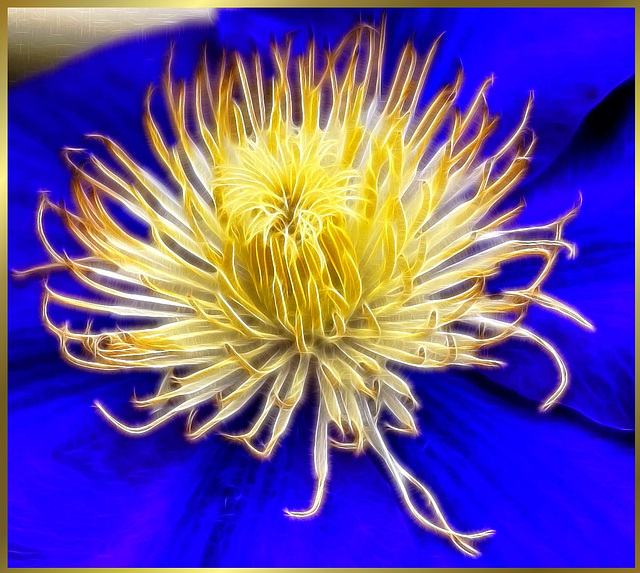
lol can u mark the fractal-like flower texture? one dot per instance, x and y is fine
(318, 229)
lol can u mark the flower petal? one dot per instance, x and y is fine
(570, 58)
(492, 462)
(81, 494)
(599, 164)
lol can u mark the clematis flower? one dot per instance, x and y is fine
(467, 426)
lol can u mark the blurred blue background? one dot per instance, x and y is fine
(558, 488)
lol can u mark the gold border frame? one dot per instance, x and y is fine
(245, 4)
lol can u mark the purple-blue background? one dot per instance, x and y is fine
(558, 488)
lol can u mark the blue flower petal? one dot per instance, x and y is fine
(570, 58)
(599, 164)
(81, 494)
(491, 460)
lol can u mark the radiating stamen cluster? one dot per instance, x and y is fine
(314, 229)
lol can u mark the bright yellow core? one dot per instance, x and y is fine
(288, 202)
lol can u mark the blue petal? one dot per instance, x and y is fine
(599, 164)
(81, 494)
(491, 460)
(570, 58)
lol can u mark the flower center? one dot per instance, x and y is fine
(287, 204)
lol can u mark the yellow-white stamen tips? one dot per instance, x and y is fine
(314, 228)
